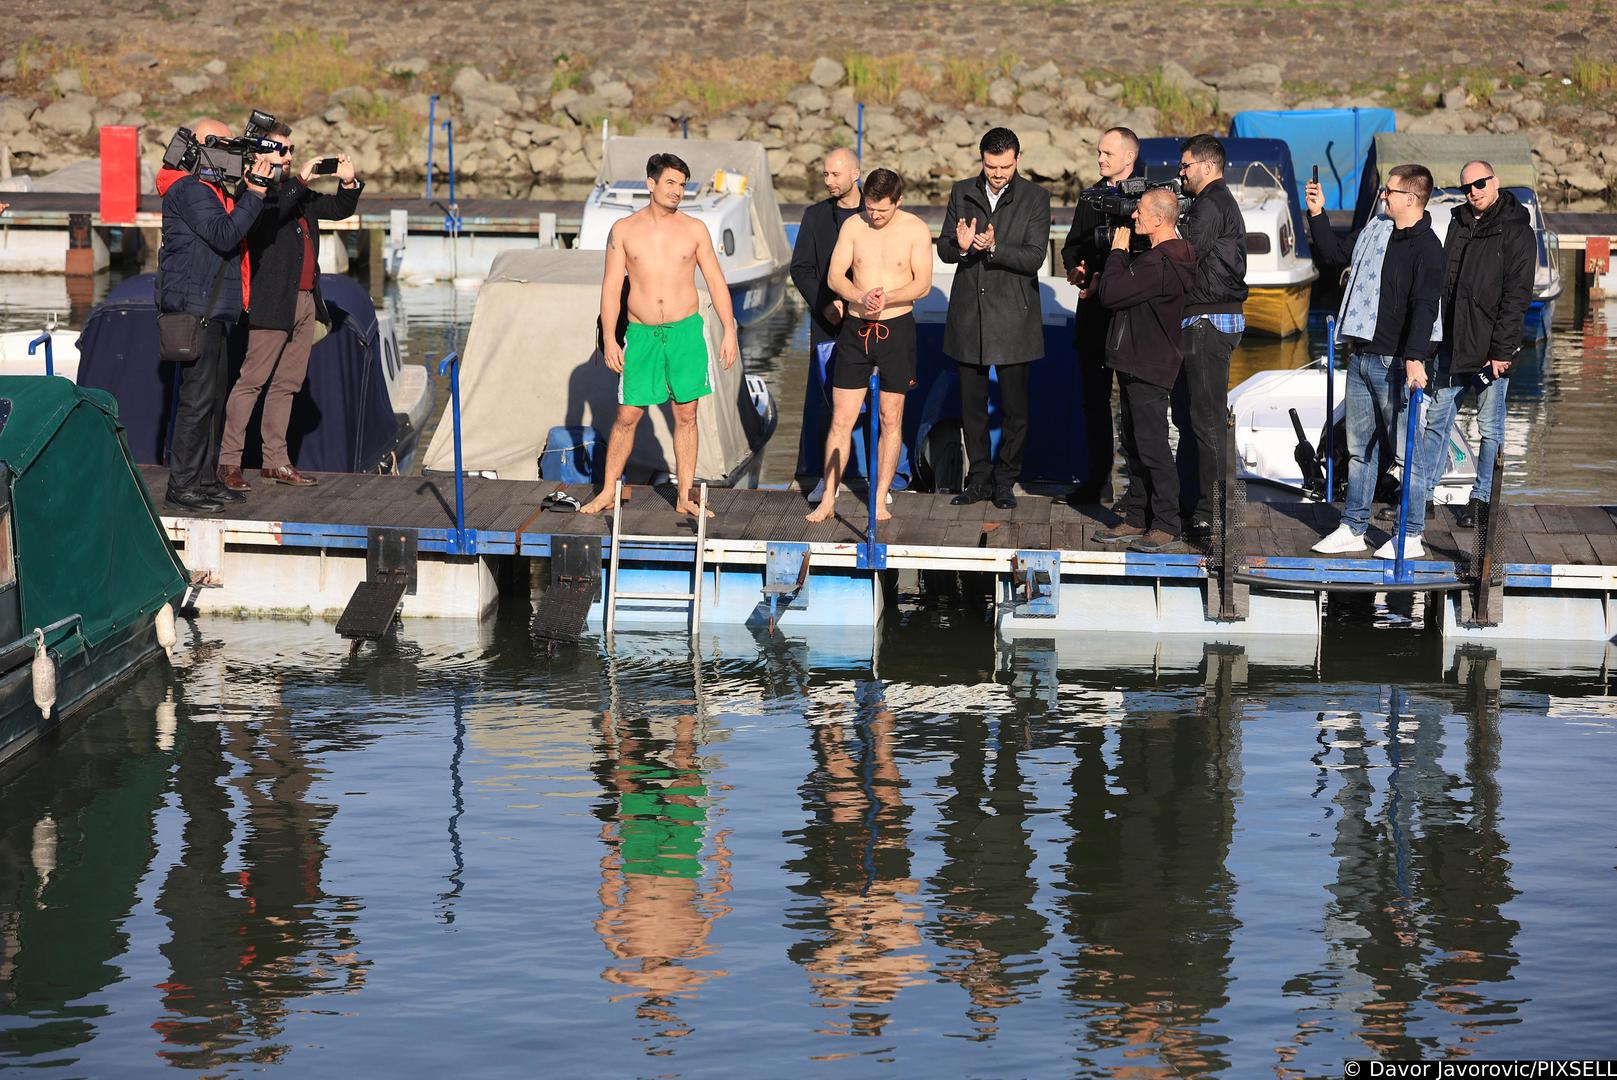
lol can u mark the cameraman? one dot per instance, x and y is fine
(1082, 256)
(199, 273)
(283, 306)
(1213, 324)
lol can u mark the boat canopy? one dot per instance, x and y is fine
(1159, 160)
(1510, 155)
(532, 362)
(625, 159)
(342, 420)
(1337, 140)
(87, 537)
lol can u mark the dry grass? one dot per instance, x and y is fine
(293, 67)
(1593, 76)
(719, 85)
(1177, 110)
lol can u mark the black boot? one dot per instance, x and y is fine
(194, 500)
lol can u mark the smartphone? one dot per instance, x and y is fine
(327, 166)
(1316, 174)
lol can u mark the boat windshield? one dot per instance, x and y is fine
(1259, 182)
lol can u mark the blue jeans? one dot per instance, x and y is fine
(1445, 402)
(1375, 399)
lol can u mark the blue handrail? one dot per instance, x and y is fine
(859, 135)
(432, 129)
(452, 219)
(450, 365)
(872, 458)
(1400, 572)
(1330, 408)
(50, 363)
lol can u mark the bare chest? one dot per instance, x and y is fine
(646, 248)
(879, 252)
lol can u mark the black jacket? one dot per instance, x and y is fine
(811, 266)
(994, 313)
(200, 236)
(1490, 265)
(1146, 294)
(1411, 285)
(275, 250)
(1217, 232)
(1082, 246)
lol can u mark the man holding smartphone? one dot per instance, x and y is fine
(282, 293)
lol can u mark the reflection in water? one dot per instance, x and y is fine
(864, 923)
(661, 890)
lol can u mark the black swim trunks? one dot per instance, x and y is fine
(887, 346)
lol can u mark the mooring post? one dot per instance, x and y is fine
(450, 365)
(1330, 408)
(44, 339)
(1400, 572)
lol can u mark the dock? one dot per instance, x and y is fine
(304, 550)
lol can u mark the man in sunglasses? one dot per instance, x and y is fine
(1388, 325)
(1492, 255)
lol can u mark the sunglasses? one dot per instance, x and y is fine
(1476, 185)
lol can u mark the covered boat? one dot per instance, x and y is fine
(533, 381)
(1512, 159)
(360, 410)
(730, 190)
(1336, 141)
(85, 567)
(1280, 271)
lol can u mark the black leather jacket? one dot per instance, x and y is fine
(1217, 233)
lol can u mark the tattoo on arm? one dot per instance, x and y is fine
(612, 238)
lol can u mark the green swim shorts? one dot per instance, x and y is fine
(662, 358)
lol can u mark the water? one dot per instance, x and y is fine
(1089, 860)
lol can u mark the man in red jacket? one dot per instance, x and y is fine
(1146, 293)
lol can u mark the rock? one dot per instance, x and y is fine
(1001, 93)
(915, 166)
(1260, 76)
(1455, 97)
(587, 109)
(129, 99)
(486, 92)
(728, 128)
(1505, 124)
(1022, 122)
(465, 80)
(543, 160)
(784, 118)
(826, 72)
(66, 82)
(1037, 103)
(12, 118)
(1584, 180)
(26, 142)
(1078, 99)
(808, 154)
(106, 118)
(616, 93)
(1046, 163)
(1176, 74)
(1045, 75)
(779, 159)
(138, 60)
(408, 66)
(565, 97)
(1231, 102)
(215, 67)
(1437, 122)
(957, 132)
(1143, 121)
(335, 115)
(808, 98)
(8, 69)
(544, 134)
(1032, 137)
(1536, 64)
(186, 85)
(1528, 110)
(912, 101)
(809, 127)
(1109, 90)
(63, 118)
(1504, 97)
(1608, 153)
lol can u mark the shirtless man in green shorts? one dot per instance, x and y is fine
(659, 249)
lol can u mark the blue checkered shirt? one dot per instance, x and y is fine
(1223, 322)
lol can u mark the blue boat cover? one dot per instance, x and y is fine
(342, 419)
(1337, 140)
(1159, 160)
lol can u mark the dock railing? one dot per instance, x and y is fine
(875, 553)
(461, 543)
(1412, 448)
(1330, 408)
(44, 339)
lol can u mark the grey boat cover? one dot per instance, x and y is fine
(1510, 155)
(625, 159)
(530, 363)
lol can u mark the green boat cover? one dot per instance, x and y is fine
(85, 531)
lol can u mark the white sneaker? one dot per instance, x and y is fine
(1412, 548)
(1340, 542)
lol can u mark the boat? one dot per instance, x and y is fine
(362, 408)
(1335, 141)
(538, 401)
(1280, 272)
(730, 190)
(1512, 159)
(87, 576)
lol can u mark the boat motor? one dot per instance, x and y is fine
(1307, 460)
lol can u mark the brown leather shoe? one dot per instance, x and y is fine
(1121, 533)
(286, 474)
(230, 476)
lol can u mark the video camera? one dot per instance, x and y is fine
(222, 161)
(1118, 204)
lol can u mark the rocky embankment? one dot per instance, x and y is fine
(540, 136)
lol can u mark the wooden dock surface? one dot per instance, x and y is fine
(507, 513)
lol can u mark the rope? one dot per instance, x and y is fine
(877, 329)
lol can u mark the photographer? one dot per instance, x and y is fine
(1082, 256)
(199, 274)
(284, 304)
(1213, 324)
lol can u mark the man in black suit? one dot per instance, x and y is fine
(997, 231)
(811, 262)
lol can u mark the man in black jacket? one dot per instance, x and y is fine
(1147, 295)
(1082, 257)
(284, 305)
(1490, 254)
(811, 262)
(997, 230)
(1213, 324)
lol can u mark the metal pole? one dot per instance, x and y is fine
(449, 130)
(50, 363)
(451, 365)
(1330, 408)
(1411, 449)
(859, 135)
(872, 454)
(432, 111)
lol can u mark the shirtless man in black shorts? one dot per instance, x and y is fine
(889, 253)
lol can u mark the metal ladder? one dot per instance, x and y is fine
(619, 537)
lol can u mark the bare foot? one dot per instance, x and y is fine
(823, 512)
(883, 514)
(597, 504)
(685, 506)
